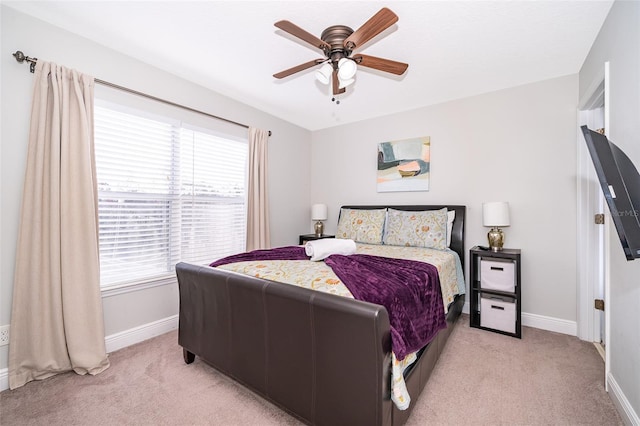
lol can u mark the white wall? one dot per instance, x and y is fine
(515, 145)
(289, 151)
(619, 43)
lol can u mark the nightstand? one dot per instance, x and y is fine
(310, 237)
(495, 291)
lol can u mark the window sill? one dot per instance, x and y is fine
(118, 289)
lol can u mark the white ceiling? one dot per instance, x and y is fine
(454, 49)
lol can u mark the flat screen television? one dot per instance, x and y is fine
(620, 184)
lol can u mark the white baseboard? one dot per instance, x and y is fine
(141, 333)
(550, 324)
(121, 340)
(626, 411)
(542, 322)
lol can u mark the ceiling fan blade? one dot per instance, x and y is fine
(298, 68)
(374, 26)
(386, 65)
(336, 84)
(296, 31)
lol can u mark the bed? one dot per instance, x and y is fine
(324, 358)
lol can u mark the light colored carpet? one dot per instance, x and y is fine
(483, 378)
(544, 379)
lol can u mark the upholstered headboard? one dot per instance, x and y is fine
(457, 234)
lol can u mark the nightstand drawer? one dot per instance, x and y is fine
(496, 275)
(498, 313)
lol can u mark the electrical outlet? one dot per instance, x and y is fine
(4, 335)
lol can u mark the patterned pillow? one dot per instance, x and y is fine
(362, 226)
(417, 229)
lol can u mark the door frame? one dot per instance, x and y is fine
(592, 243)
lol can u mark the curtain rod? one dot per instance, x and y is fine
(20, 57)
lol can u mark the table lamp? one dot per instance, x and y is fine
(319, 213)
(494, 215)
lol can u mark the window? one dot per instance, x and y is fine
(167, 193)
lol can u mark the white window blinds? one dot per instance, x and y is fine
(167, 193)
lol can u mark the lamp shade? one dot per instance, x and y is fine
(495, 213)
(319, 212)
(324, 73)
(346, 69)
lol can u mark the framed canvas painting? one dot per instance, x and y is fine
(404, 165)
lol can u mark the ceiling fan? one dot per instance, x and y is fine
(338, 43)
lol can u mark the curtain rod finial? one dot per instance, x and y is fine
(19, 56)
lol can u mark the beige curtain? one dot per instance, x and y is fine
(258, 200)
(56, 319)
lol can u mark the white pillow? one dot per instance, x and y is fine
(451, 215)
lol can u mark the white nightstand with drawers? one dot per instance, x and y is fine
(495, 290)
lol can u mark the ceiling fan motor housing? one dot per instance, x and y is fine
(335, 37)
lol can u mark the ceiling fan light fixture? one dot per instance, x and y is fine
(323, 75)
(338, 43)
(346, 69)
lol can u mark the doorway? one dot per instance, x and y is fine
(593, 233)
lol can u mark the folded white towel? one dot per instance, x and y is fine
(320, 249)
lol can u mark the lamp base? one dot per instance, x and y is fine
(496, 239)
(319, 228)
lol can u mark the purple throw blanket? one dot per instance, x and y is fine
(280, 253)
(409, 290)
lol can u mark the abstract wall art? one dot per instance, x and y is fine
(404, 165)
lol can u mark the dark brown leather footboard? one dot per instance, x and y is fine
(323, 358)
